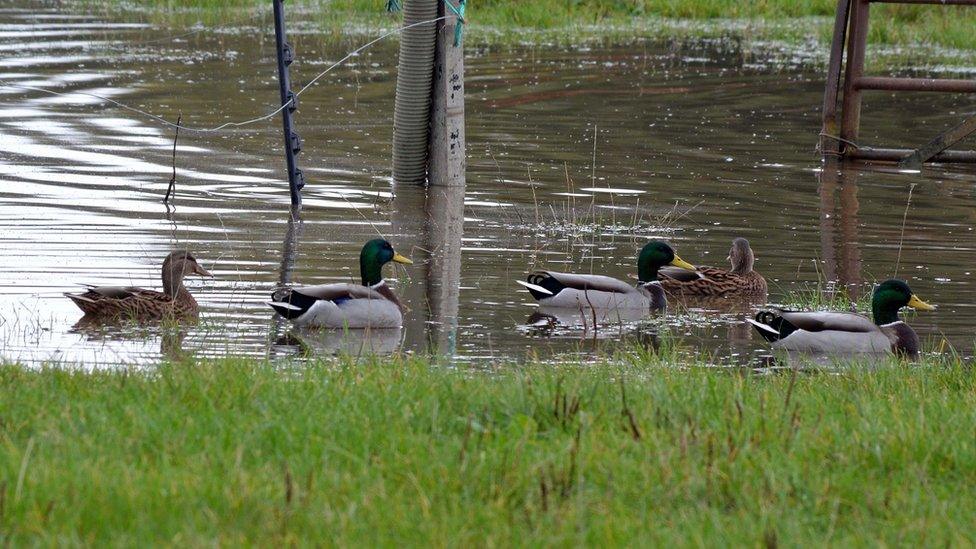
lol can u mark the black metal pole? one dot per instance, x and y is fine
(293, 143)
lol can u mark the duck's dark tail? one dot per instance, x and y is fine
(771, 326)
(83, 302)
(289, 304)
(541, 285)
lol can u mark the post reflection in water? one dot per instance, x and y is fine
(289, 254)
(290, 249)
(839, 243)
(429, 223)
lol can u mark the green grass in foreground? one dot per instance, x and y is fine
(948, 26)
(404, 452)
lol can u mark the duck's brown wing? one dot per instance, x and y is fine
(677, 274)
(713, 282)
(113, 292)
(117, 301)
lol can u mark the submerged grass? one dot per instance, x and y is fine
(402, 451)
(945, 26)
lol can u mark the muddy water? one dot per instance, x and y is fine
(577, 156)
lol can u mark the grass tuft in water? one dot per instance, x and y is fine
(829, 296)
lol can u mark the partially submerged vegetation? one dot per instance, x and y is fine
(891, 24)
(634, 450)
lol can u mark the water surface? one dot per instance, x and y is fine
(576, 157)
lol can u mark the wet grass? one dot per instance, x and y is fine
(545, 20)
(829, 296)
(634, 450)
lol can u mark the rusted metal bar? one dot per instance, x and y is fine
(915, 84)
(829, 127)
(933, 2)
(895, 155)
(851, 117)
(941, 142)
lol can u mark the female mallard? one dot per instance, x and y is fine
(830, 332)
(137, 303)
(577, 291)
(370, 305)
(712, 281)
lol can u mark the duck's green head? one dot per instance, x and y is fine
(375, 254)
(654, 255)
(892, 295)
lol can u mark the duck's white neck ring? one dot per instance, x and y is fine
(379, 284)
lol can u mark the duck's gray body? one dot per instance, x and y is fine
(575, 291)
(339, 306)
(835, 332)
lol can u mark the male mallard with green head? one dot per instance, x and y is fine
(712, 281)
(836, 332)
(575, 291)
(129, 302)
(369, 305)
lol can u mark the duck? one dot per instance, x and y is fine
(116, 302)
(840, 332)
(576, 291)
(371, 304)
(741, 280)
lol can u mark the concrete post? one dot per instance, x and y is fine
(447, 147)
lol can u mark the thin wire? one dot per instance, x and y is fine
(225, 125)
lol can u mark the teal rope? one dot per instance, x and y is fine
(394, 6)
(459, 26)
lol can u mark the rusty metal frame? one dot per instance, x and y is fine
(941, 142)
(851, 30)
(829, 145)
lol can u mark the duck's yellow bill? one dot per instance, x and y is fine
(400, 259)
(678, 262)
(916, 303)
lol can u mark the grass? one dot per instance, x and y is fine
(520, 20)
(634, 450)
(828, 296)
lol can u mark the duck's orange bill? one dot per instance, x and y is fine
(678, 262)
(916, 303)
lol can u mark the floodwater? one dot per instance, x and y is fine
(576, 157)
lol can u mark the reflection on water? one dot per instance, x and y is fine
(577, 156)
(311, 343)
(838, 227)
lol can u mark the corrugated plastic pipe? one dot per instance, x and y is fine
(411, 117)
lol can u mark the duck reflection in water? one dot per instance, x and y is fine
(309, 342)
(171, 335)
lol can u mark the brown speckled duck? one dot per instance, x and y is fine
(140, 304)
(711, 281)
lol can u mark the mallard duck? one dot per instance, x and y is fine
(586, 291)
(369, 305)
(712, 281)
(836, 332)
(141, 304)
